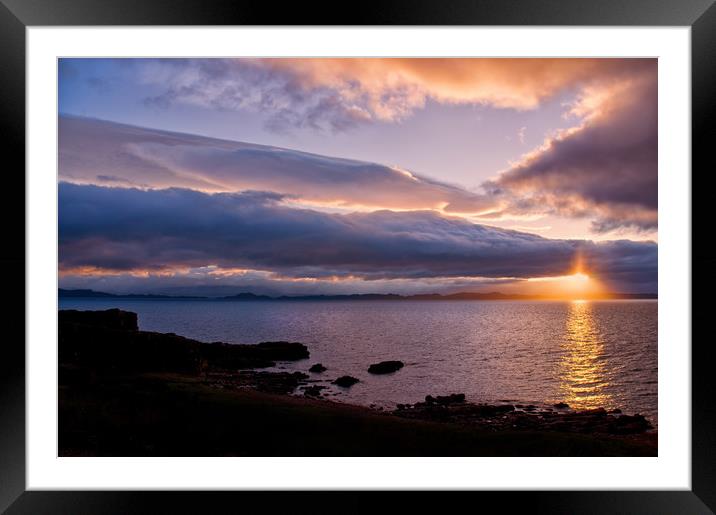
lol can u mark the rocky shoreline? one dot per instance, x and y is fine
(96, 346)
(503, 417)
(454, 408)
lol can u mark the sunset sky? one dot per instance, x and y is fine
(288, 176)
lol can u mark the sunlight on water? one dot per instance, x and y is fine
(583, 367)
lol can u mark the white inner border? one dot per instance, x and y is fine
(670, 470)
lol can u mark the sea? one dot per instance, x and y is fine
(588, 354)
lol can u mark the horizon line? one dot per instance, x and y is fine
(247, 295)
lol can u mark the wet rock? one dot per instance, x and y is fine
(313, 391)
(346, 381)
(600, 412)
(445, 399)
(283, 351)
(317, 368)
(505, 417)
(107, 319)
(487, 410)
(615, 411)
(385, 367)
(561, 405)
(626, 424)
(271, 382)
(110, 341)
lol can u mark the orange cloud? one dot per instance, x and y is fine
(339, 93)
(512, 83)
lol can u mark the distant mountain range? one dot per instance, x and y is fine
(63, 293)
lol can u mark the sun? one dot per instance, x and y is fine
(579, 277)
(576, 286)
(579, 286)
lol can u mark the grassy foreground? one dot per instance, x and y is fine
(180, 415)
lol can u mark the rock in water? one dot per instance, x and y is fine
(317, 368)
(283, 351)
(346, 381)
(385, 367)
(111, 340)
(313, 391)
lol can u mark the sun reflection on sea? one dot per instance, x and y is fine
(582, 369)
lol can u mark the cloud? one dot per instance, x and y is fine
(216, 282)
(125, 229)
(340, 93)
(521, 134)
(99, 152)
(604, 168)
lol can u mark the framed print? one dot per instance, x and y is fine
(413, 249)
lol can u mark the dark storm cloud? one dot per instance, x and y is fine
(606, 168)
(125, 229)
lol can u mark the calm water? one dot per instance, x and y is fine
(588, 354)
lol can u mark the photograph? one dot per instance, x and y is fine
(357, 256)
(288, 252)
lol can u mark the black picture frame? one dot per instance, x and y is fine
(17, 15)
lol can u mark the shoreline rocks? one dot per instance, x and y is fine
(447, 399)
(317, 368)
(507, 417)
(313, 390)
(110, 340)
(282, 351)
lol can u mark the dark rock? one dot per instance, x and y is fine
(450, 399)
(385, 367)
(346, 381)
(629, 424)
(487, 410)
(108, 319)
(599, 412)
(453, 398)
(271, 382)
(505, 417)
(561, 405)
(317, 368)
(110, 341)
(225, 356)
(313, 391)
(615, 411)
(283, 351)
